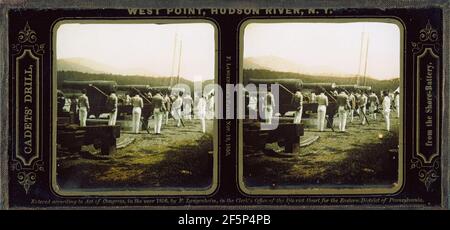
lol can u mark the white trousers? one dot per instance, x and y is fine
(342, 118)
(187, 112)
(158, 115)
(362, 112)
(372, 109)
(321, 112)
(210, 113)
(112, 118)
(176, 113)
(351, 114)
(386, 114)
(202, 116)
(203, 122)
(136, 119)
(268, 115)
(82, 113)
(166, 117)
(397, 108)
(298, 116)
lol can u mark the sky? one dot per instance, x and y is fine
(147, 48)
(331, 48)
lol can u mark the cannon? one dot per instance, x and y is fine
(293, 84)
(144, 89)
(79, 85)
(287, 88)
(354, 87)
(97, 92)
(147, 111)
(286, 135)
(71, 137)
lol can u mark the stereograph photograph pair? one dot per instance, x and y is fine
(315, 107)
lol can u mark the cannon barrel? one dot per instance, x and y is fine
(293, 84)
(327, 86)
(79, 85)
(133, 87)
(107, 86)
(353, 87)
(161, 89)
(147, 88)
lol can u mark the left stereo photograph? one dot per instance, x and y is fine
(132, 111)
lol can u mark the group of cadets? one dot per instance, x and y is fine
(181, 107)
(347, 104)
(178, 106)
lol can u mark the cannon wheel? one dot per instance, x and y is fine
(292, 148)
(109, 147)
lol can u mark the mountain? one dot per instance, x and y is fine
(119, 79)
(82, 65)
(85, 65)
(253, 63)
(279, 64)
(273, 63)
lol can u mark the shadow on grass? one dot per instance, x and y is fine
(368, 164)
(184, 166)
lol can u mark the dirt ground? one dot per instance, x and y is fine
(179, 157)
(364, 155)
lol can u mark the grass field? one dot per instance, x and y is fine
(364, 155)
(179, 157)
(182, 157)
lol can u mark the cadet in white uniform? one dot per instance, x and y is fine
(392, 96)
(176, 108)
(322, 100)
(112, 100)
(397, 103)
(373, 100)
(138, 104)
(83, 108)
(362, 108)
(268, 107)
(357, 101)
(127, 100)
(211, 108)
(168, 104)
(158, 111)
(297, 101)
(352, 101)
(313, 97)
(253, 102)
(187, 106)
(201, 112)
(387, 110)
(344, 106)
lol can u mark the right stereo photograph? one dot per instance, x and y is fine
(323, 106)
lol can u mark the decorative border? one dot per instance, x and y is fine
(27, 167)
(428, 46)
